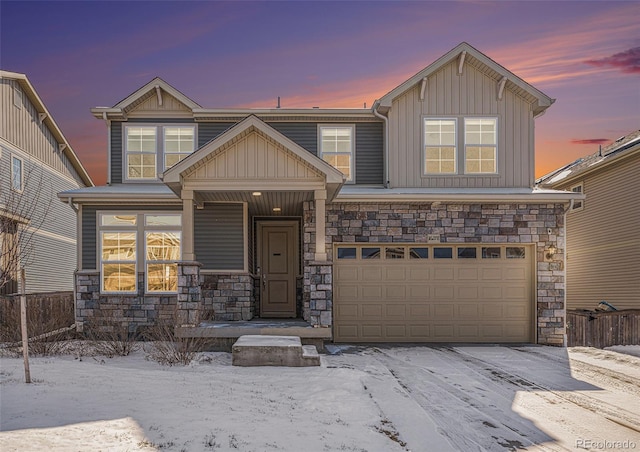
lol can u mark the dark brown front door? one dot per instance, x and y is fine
(278, 247)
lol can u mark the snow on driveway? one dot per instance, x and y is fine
(362, 398)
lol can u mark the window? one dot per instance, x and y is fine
(480, 145)
(443, 253)
(151, 149)
(346, 253)
(131, 241)
(337, 148)
(440, 146)
(515, 252)
(491, 252)
(577, 205)
(419, 253)
(371, 253)
(466, 253)
(17, 173)
(17, 97)
(448, 141)
(394, 253)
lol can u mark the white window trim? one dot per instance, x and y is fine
(423, 162)
(579, 204)
(352, 156)
(160, 128)
(464, 140)
(460, 162)
(21, 189)
(140, 230)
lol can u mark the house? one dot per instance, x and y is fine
(415, 220)
(36, 162)
(602, 230)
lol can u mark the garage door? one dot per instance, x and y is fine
(433, 293)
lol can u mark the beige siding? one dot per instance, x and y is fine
(255, 157)
(471, 94)
(21, 127)
(148, 106)
(603, 239)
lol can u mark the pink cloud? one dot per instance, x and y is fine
(627, 61)
(590, 141)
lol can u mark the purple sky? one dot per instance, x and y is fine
(79, 55)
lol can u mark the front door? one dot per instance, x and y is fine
(278, 260)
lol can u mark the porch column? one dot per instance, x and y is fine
(320, 197)
(187, 226)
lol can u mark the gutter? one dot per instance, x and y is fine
(564, 270)
(108, 122)
(376, 104)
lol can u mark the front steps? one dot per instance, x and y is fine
(259, 350)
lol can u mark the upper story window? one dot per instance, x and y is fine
(577, 205)
(337, 147)
(151, 149)
(445, 145)
(17, 174)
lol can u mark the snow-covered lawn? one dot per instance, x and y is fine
(364, 398)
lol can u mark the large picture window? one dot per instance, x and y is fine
(149, 241)
(337, 148)
(151, 149)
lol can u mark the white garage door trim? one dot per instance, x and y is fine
(434, 292)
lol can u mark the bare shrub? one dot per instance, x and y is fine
(112, 338)
(168, 349)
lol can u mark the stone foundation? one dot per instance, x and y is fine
(228, 296)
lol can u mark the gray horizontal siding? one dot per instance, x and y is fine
(219, 236)
(89, 229)
(369, 153)
(304, 134)
(207, 131)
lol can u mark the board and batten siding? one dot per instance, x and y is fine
(602, 239)
(90, 231)
(219, 236)
(21, 126)
(451, 95)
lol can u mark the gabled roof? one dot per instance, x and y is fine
(154, 85)
(173, 176)
(621, 148)
(47, 120)
(543, 101)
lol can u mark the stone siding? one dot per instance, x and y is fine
(105, 312)
(228, 296)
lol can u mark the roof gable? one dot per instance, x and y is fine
(466, 54)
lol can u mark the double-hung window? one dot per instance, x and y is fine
(337, 147)
(460, 146)
(149, 241)
(577, 205)
(17, 174)
(151, 149)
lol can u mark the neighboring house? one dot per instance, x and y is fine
(602, 230)
(415, 220)
(36, 162)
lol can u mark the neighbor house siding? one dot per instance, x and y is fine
(602, 239)
(89, 228)
(219, 236)
(21, 127)
(448, 94)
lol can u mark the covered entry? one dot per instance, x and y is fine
(433, 293)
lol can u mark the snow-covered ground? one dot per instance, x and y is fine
(362, 398)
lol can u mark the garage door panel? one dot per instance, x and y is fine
(425, 299)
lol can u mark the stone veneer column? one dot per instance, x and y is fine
(189, 294)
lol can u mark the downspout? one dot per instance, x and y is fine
(564, 269)
(376, 104)
(108, 122)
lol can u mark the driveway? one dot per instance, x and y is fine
(497, 398)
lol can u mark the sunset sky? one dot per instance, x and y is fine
(79, 55)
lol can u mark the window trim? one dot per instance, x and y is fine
(160, 147)
(13, 188)
(352, 155)
(18, 98)
(460, 147)
(578, 204)
(140, 229)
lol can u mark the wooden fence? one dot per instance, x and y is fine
(603, 329)
(45, 312)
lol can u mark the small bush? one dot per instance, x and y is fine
(112, 339)
(167, 349)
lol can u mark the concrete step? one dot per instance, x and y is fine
(261, 350)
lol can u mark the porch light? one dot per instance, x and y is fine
(277, 209)
(551, 251)
(257, 193)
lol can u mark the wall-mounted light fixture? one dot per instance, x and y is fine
(257, 193)
(551, 251)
